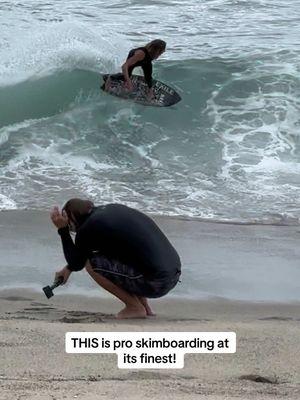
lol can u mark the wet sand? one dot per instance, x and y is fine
(242, 262)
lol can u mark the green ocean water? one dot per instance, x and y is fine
(228, 151)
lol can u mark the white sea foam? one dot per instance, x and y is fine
(50, 47)
(6, 203)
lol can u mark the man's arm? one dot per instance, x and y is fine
(148, 75)
(139, 55)
(75, 257)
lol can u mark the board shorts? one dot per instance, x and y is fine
(128, 278)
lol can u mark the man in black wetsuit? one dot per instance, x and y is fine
(140, 57)
(122, 249)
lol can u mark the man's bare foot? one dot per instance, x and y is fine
(132, 312)
(149, 311)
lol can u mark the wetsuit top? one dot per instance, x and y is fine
(124, 234)
(146, 65)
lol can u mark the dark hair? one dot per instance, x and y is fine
(78, 210)
(156, 47)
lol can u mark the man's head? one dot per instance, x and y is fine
(77, 210)
(156, 48)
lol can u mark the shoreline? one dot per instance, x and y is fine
(281, 221)
(238, 262)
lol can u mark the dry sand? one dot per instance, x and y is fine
(35, 366)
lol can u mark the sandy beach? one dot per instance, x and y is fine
(34, 364)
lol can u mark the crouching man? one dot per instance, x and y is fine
(122, 249)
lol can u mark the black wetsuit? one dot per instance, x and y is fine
(122, 233)
(145, 64)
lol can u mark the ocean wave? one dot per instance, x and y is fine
(228, 151)
(45, 96)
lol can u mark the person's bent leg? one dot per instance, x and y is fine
(133, 307)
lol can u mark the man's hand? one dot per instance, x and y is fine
(58, 219)
(64, 273)
(150, 95)
(128, 85)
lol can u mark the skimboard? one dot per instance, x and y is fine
(163, 95)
